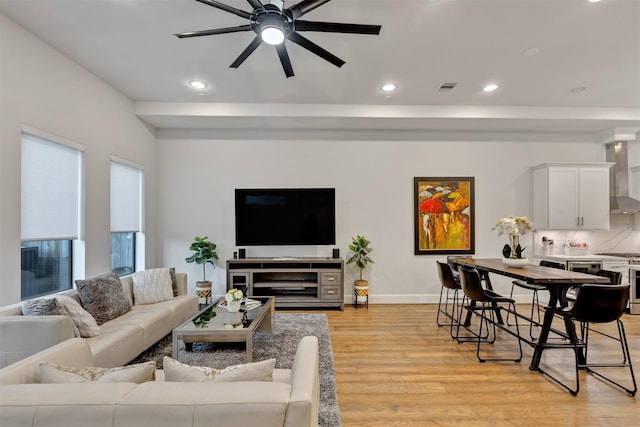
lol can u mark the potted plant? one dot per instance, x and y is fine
(360, 248)
(204, 252)
(513, 227)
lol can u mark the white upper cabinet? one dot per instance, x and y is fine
(571, 196)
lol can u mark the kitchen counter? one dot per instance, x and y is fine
(563, 257)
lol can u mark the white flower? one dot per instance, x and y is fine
(513, 226)
(233, 295)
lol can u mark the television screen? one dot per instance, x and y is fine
(285, 216)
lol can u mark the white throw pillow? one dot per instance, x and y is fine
(84, 321)
(180, 372)
(50, 373)
(153, 285)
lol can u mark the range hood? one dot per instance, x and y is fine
(620, 201)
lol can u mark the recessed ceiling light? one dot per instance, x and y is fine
(490, 88)
(197, 84)
(389, 87)
(531, 52)
(594, 1)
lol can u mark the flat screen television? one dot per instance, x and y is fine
(285, 216)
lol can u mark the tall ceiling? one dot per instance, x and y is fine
(568, 66)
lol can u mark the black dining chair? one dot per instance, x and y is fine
(488, 302)
(535, 302)
(449, 286)
(596, 303)
(615, 278)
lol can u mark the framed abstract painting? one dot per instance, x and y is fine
(444, 215)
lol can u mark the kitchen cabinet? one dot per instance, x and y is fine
(571, 196)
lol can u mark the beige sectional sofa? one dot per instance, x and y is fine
(120, 339)
(290, 400)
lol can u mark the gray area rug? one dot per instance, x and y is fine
(281, 345)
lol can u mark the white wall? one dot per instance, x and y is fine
(374, 185)
(44, 89)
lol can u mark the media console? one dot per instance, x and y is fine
(294, 282)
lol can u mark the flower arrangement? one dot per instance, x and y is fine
(513, 227)
(234, 295)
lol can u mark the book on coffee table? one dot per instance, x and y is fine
(247, 304)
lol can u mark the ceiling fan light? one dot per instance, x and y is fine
(272, 35)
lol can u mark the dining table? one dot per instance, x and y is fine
(556, 281)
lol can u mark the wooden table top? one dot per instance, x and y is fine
(531, 273)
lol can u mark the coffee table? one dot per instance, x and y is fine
(227, 327)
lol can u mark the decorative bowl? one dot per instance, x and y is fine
(515, 262)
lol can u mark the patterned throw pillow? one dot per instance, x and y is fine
(180, 372)
(103, 297)
(151, 286)
(51, 373)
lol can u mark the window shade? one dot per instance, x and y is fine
(51, 177)
(126, 200)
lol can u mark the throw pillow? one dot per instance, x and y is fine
(41, 307)
(47, 307)
(174, 281)
(51, 373)
(82, 319)
(103, 297)
(180, 372)
(151, 286)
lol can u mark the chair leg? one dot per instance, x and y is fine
(492, 320)
(626, 364)
(468, 338)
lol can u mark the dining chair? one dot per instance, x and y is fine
(454, 267)
(535, 302)
(489, 301)
(451, 285)
(597, 303)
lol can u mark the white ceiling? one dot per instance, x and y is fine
(423, 43)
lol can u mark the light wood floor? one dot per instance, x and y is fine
(395, 367)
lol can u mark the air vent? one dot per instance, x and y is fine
(447, 87)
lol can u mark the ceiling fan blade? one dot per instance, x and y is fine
(284, 59)
(297, 10)
(226, 8)
(311, 46)
(214, 31)
(257, 40)
(256, 4)
(336, 27)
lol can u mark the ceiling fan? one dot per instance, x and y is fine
(272, 24)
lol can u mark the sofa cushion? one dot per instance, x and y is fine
(51, 373)
(151, 286)
(180, 372)
(103, 297)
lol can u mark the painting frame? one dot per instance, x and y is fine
(444, 215)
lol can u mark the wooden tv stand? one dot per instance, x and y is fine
(294, 282)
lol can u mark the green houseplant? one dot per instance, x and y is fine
(360, 258)
(204, 252)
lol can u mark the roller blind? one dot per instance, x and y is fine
(126, 198)
(51, 179)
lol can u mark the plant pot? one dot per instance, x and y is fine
(234, 306)
(362, 290)
(203, 291)
(515, 262)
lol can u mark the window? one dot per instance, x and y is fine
(51, 177)
(126, 215)
(45, 267)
